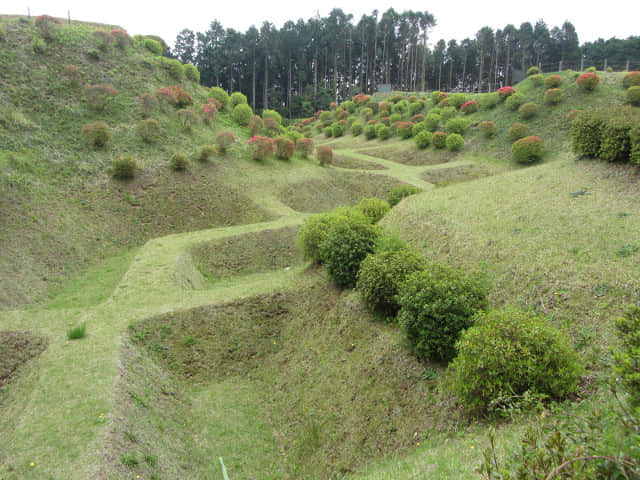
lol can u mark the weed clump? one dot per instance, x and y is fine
(487, 128)
(124, 167)
(97, 134)
(77, 332)
(99, 96)
(178, 162)
(511, 353)
(187, 118)
(148, 130)
(399, 192)
(206, 153)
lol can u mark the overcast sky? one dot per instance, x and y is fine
(455, 20)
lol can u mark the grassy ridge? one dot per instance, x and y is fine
(336, 391)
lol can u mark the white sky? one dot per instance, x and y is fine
(455, 20)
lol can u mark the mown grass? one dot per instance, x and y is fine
(335, 392)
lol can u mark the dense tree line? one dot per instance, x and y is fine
(305, 65)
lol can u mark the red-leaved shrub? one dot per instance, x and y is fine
(261, 147)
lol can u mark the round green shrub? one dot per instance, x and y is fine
(518, 130)
(381, 275)
(370, 132)
(512, 352)
(533, 71)
(489, 100)
(242, 113)
(400, 108)
(439, 139)
(373, 208)
(418, 127)
(175, 68)
(349, 240)
(192, 73)
(528, 110)
(220, 95)
(178, 162)
(423, 139)
(591, 69)
(238, 98)
(455, 142)
(527, 150)
(436, 305)
(448, 112)
(626, 357)
(349, 105)
(284, 148)
(416, 107)
(633, 95)
(537, 80)
(206, 153)
(432, 122)
(356, 128)
(513, 102)
(275, 115)
(487, 128)
(153, 46)
(553, 81)
(124, 167)
(97, 134)
(457, 125)
(149, 130)
(588, 81)
(395, 117)
(337, 129)
(383, 132)
(405, 130)
(631, 79)
(437, 97)
(553, 96)
(314, 231)
(457, 100)
(397, 193)
(328, 131)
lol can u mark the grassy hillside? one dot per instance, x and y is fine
(206, 334)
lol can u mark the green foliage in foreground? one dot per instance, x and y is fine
(508, 353)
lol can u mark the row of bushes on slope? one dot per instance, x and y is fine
(612, 135)
(443, 311)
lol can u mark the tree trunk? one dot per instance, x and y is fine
(265, 100)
